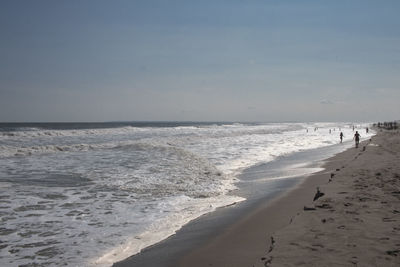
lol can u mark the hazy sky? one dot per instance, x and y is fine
(200, 60)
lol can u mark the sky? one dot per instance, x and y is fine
(191, 60)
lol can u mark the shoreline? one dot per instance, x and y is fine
(355, 222)
(246, 242)
(193, 237)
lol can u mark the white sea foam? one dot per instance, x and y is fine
(80, 191)
(180, 211)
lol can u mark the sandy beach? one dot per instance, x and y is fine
(198, 133)
(354, 223)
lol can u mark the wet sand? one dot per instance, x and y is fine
(259, 184)
(356, 222)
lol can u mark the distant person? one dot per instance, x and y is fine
(366, 130)
(357, 138)
(341, 137)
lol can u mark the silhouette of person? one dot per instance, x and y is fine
(341, 137)
(357, 138)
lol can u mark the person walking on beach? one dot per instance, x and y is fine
(341, 137)
(357, 138)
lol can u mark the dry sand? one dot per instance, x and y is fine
(355, 223)
(357, 220)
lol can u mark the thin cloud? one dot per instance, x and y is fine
(326, 102)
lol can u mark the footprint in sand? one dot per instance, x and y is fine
(328, 220)
(388, 219)
(354, 260)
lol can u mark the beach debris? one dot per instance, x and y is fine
(268, 262)
(388, 219)
(318, 194)
(324, 206)
(271, 247)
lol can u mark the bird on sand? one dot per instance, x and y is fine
(318, 194)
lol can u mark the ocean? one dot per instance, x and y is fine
(91, 194)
